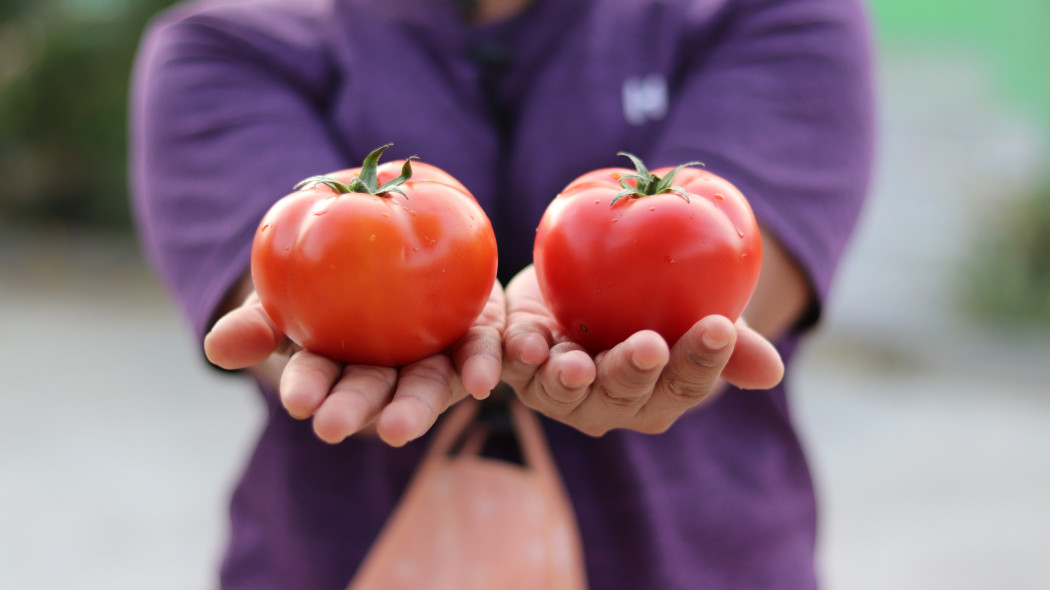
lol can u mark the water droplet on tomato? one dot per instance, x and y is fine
(597, 202)
(411, 212)
(386, 215)
(615, 176)
(320, 212)
(669, 260)
(265, 227)
(720, 197)
(615, 220)
(743, 254)
(652, 208)
(739, 233)
(372, 238)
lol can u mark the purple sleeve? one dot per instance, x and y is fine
(225, 120)
(781, 106)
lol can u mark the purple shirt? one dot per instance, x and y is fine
(234, 102)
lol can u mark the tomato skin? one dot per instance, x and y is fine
(376, 279)
(658, 262)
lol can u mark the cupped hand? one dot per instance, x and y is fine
(343, 399)
(640, 384)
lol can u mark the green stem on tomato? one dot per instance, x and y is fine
(647, 183)
(366, 181)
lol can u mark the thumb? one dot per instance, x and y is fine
(244, 337)
(755, 363)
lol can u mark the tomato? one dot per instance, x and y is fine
(623, 250)
(382, 264)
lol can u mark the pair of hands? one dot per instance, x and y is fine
(641, 384)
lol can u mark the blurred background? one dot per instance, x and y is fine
(924, 400)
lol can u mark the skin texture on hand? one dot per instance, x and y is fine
(343, 399)
(641, 384)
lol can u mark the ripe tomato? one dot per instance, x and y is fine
(623, 250)
(375, 267)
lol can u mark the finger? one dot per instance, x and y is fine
(562, 383)
(354, 401)
(755, 363)
(529, 333)
(692, 374)
(243, 337)
(478, 356)
(305, 382)
(424, 391)
(527, 308)
(479, 359)
(627, 375)
(526, 346)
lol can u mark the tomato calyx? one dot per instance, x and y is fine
(648, 184)
(366, 182)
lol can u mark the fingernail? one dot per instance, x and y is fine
(567, 383)
(561, 381)
(644, 364)
(713, 342)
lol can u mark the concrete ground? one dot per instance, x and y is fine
(117, 446)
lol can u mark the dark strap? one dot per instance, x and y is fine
(495, 421)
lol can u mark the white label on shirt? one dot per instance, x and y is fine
(644, 99)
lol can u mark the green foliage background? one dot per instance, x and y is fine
(64, 68)
(1007, 279)
(1012, 37)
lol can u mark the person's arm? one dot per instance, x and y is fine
(779, 103)
(228, 115)
(783, 294)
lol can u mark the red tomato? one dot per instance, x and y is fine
(623, 250)
(376, 265)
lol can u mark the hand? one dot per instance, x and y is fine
(344, 399)
(640, 384)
